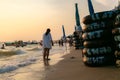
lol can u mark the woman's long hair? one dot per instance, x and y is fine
(47, 31)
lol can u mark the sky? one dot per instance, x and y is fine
(28, 19)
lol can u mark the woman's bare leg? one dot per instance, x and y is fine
(47, 53)
(44, 53)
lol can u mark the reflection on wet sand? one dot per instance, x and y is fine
(46, 62)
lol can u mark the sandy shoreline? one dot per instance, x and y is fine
(36, 71)
(74, 69)
(65, 66)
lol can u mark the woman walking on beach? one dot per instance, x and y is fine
(47, 44)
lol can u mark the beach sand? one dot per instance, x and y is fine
(72, 68)
(36, 71)
(66, 66)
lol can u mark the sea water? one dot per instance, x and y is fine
(12, 58)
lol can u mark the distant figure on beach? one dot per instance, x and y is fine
(3, 46)
(60, 42)
(47, 44)
(70, 42)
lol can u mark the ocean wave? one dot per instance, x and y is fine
(33, 49)
(30, 55)
(13, 66)
(7, 52)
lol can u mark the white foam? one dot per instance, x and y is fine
(11, 63)
(11, 66)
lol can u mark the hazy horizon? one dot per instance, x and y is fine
(29, 19)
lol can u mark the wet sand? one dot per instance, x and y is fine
(66, 66)
(72, 68)
(36, 71)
